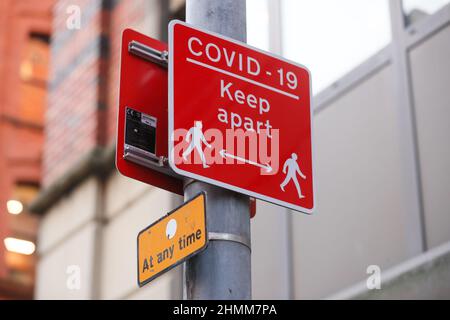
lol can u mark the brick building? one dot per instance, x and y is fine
(82, 109)
(25, 29)
(382, 172)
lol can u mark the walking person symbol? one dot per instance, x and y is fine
(196, 138)
(292, 170)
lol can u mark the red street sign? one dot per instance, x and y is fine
(240, 118)
(142, 128)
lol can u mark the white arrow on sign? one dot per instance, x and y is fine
(266, 167)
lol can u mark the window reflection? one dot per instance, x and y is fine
(332, 37)
(416, 10)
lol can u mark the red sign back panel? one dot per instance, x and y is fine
(143, 87)
(218, 86)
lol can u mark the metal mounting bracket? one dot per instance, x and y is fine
(217, 236)
(147, 53)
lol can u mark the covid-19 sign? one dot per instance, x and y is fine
(240, 118)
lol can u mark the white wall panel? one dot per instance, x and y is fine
(52, 274)
(119, 277)
(121, 192)
(270, 252)
(430, 70)
(70, 213)
(361, 210)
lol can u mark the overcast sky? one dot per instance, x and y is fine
(329, 37)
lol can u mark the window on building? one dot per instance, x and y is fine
(34, 75)
(22, 234)
(258, 23)
(416, 10)
(332, 37)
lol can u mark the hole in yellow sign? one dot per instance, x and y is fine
(172, 239)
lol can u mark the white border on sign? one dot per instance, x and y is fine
(219, 183)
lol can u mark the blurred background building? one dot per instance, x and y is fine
(25, 30)
(381, 75)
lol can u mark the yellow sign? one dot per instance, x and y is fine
(172, 239)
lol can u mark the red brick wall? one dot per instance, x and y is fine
(22, 99)
(72, 112)
(4, 189)
(4, 5)
(84, 79)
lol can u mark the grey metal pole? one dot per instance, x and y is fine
(223, 270)
(227, 17)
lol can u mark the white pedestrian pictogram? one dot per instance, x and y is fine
(292, 170)
(196, 138)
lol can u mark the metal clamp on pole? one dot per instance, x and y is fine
(216, 236)
(145, 52)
